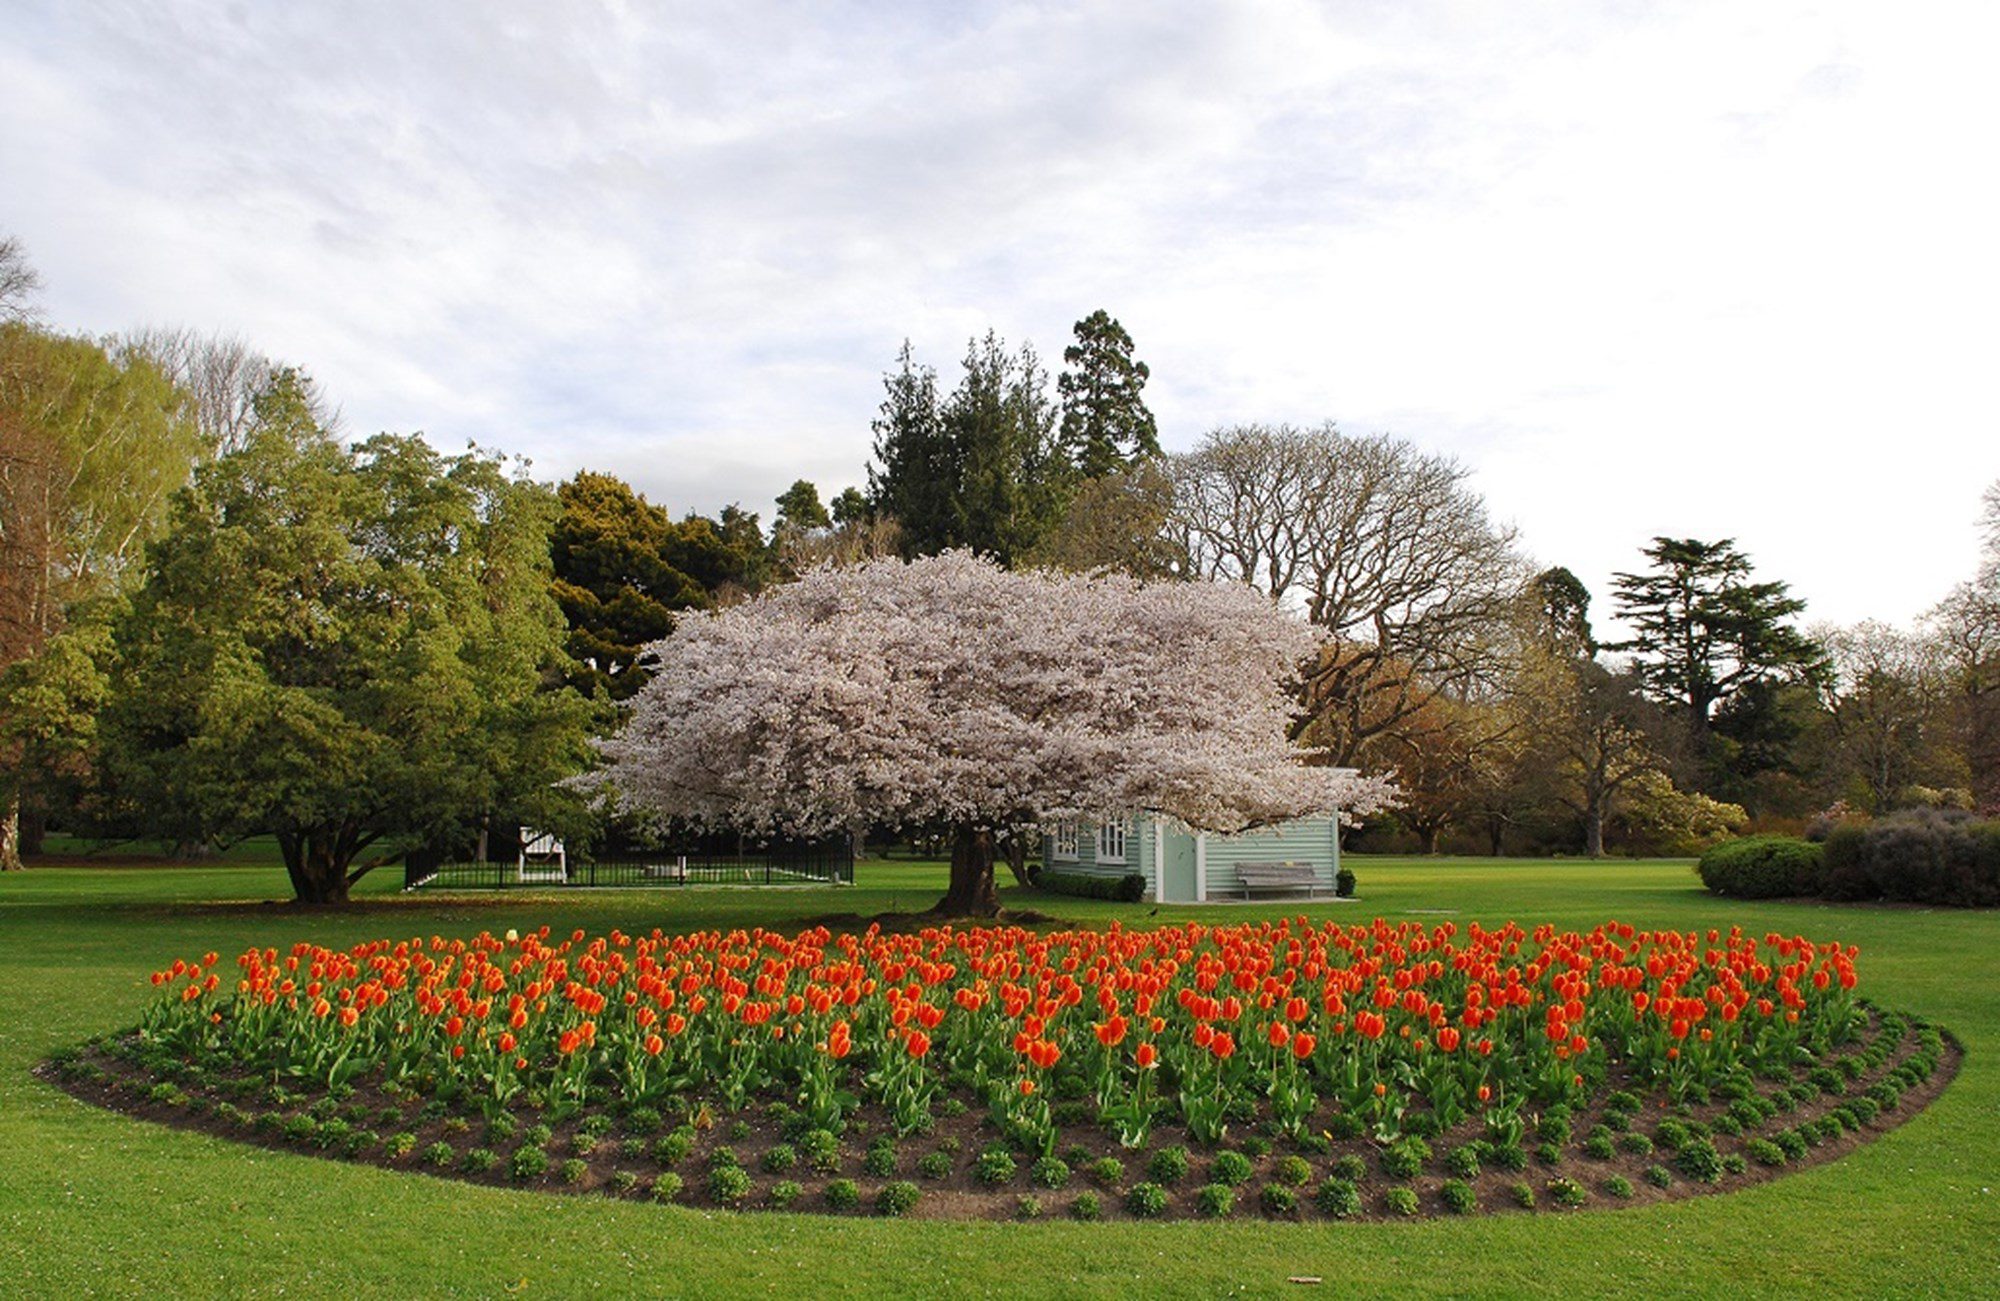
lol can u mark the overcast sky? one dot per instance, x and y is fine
(1716, 269)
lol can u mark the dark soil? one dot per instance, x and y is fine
(108, 1073)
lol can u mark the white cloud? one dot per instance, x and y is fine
(1701, 270)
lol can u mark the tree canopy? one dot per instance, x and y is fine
(351, 647)
(951, 691)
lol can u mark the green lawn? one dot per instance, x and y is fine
(93, 1203)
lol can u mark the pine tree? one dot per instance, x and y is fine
(1707, 638)
(1105, 424)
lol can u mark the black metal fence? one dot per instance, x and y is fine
(827, 864)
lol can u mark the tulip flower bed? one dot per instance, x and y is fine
(1283, 1069)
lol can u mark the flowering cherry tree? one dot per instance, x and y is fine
(951, 690)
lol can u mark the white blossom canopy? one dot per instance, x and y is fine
(950, 690)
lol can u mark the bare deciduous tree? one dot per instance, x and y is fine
(19, 282)
(222, 377)
(1382, 546)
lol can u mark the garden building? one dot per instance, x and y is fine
(1300, 857)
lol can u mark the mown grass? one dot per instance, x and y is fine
(94, 1203)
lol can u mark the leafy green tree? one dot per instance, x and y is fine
(616, 582)
(982, 469)
(799, 507)
(1706, 637)
(91, 445)
(354, 648)
(913, 478)
(850, 507)
(1117, 521)
(1106, 426)
(1562, 606)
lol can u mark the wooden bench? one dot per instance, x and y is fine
(1279, 876)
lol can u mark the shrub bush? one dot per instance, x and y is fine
(1343, 884)
(899, 1198)
(1215, 1201)
(1924, 856)
(1130, 888)
(1169, 1165)
(1278, 1199)
(1763, 867)
(1146, 1200)
(1338, 1197)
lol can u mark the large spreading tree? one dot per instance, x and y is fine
(91, 446)
(951, 691)
(352, 647)
(1384, 548)
(1721, 650)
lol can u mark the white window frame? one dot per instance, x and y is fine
(1109, 835)
(1065, 848)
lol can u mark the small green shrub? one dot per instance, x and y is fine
(1401, 1201)
(1507, 1156)
(400, 1145)
(821, 1149)
(1400, 1160)
(478, 1160)
(1086, 1206)
(781, 1157)
(1279, 1199)
(1293, 1171)
(1458, 1197)
(1338, 1197)
(1351, 1168)
(1548, 1153)
(1567, 1193)
(1635, 1144)
(995, 1165)
(784, 1193)
(1130, 888)
(643, 1120)
(1599, 1147)
(622, 1181)
(1049, 1172)
(573, 1170)
(934, 1165)
(1523, 1194)
(1028, 1207)
(1618, 1186)
(440, 1155)
(729, 1185)
(1232, 1168)
(1147, 1200)
(1699, 1161)
(898, 1198)
(1764, 1152)
(1659, 1176)
(528, 1162)
(1463, 1161)
(667, 1187)
(1215, 1201)
(1107, 1172)
(1790, 1143)
(1169, 1165)
(672, 1149)
(842, 1195)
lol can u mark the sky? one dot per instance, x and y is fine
(1700, 270)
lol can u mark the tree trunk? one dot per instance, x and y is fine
(1431, 838)
(318, 872)
(971, 893)
(34, 830)
(10, 835)
(1593, 831)
(1017, 859)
